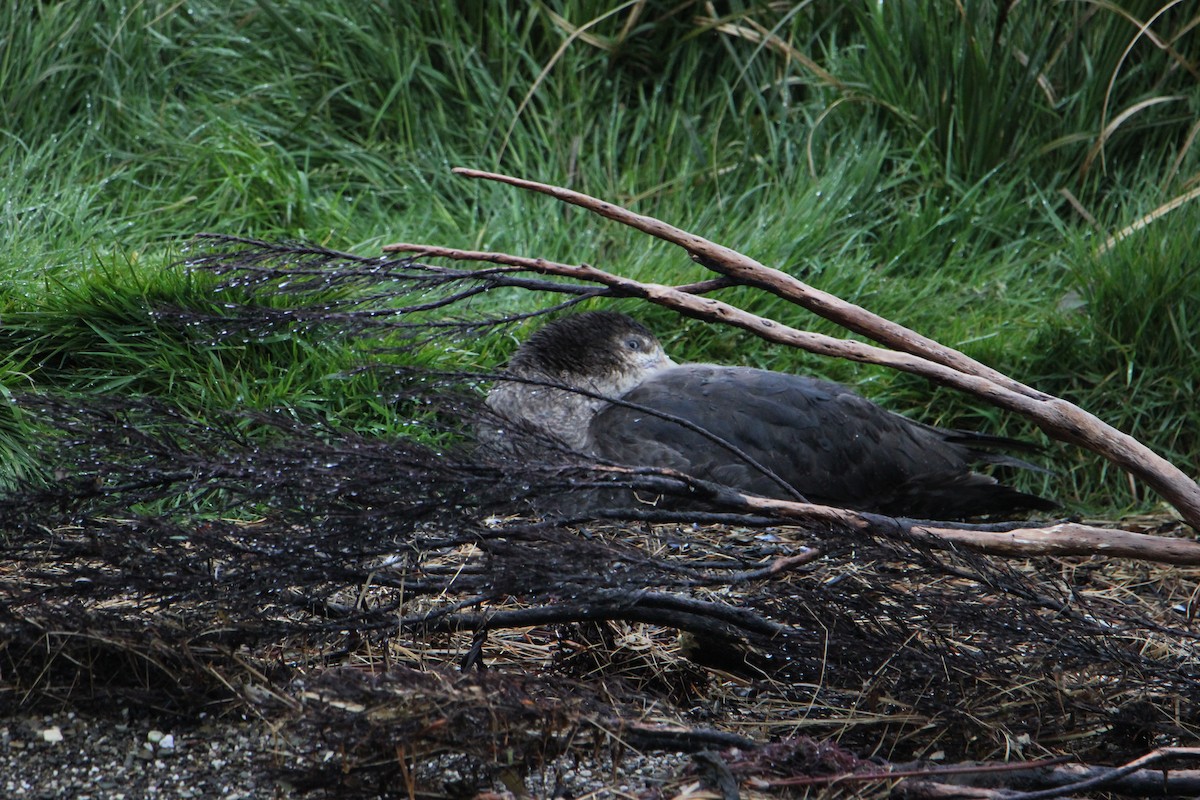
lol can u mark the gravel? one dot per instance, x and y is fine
(94, 757)
(87, 757)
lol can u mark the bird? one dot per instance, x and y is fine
(599, 383)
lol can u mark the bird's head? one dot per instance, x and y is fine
(600, 350)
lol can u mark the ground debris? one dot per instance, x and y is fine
(390, 612)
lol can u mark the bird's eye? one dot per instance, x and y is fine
(633, 344)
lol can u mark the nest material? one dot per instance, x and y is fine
(346, 608)
(393, 605)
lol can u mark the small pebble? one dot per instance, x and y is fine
(53, 734)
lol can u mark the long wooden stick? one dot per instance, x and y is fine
(909, 351)
(747, 271)
(1062, 539)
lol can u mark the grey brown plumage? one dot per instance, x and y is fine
(828, 443)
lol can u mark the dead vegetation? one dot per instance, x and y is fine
(379, 601)
(390, 607)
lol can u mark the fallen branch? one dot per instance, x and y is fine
(1057, 539)
(910, 351)
(1060, 539)
(1072, 539)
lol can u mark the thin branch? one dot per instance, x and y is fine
(992, 781)
(749, 272)
(1010, 539)
(1061, 539)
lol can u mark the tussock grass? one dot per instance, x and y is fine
(915, 157)
(1124, 340)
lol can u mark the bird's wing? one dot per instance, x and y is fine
(829, 443)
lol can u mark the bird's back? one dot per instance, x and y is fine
(832, 445)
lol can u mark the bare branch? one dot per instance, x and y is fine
(1062, 539)
(749, 272)
(910, 351)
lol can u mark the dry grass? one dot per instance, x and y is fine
(353, 636)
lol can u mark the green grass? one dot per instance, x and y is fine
(919, 158)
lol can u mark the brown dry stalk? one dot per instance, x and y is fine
(909, 351)
(1142, 222)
